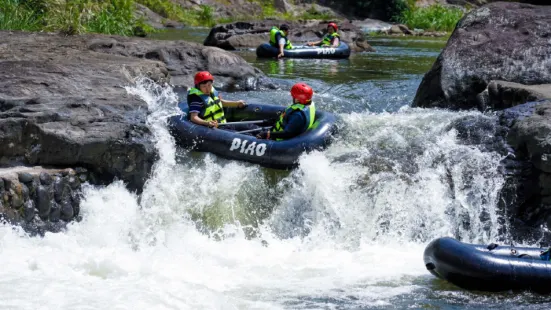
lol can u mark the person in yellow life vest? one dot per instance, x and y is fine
(331, 38)
(205, 104)
(297, 118)
(278, 38)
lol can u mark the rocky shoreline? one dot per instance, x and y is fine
(41, 199)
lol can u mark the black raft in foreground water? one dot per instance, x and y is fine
(268, 51)
(488, 268)
(246, 147)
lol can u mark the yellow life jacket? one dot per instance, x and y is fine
(308, 110)
(213, 109)
(273, 42)
(328, 38)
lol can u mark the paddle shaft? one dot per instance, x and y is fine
(243, 123)
(255, 129)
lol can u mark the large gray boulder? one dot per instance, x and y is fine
(500, 41)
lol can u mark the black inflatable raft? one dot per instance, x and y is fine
(343, 51)
(246, 147)
(488, 267)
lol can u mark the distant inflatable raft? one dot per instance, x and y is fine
(490, 268)
(239, 146)
(343, 51)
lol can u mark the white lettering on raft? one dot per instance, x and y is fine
(326, 51)
(251, 149)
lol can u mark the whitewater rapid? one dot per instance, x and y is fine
(346, 229)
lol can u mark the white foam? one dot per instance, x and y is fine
(343, 231)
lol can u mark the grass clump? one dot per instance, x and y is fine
(432, 18)
(202, 16)
(14, 15)
(72, 16)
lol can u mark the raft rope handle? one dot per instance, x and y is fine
(492, 246)
(525, 256)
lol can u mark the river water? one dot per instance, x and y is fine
(345, 230)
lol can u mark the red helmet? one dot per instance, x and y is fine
(203, 76)
(333, 25)
(302, 92)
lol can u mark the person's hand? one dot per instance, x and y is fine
(263, 135)
(280, 55)
(241, 104)
(212, 124)
(310, 43)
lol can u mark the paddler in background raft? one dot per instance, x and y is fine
(330, 39)
(278, 38)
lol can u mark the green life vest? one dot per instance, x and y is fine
(328, 38)
(308, 110)
(273, 42)
(213, 109)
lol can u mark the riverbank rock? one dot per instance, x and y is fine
(63, 102)
(154, 19)
(500, 41)
(41, 199)
(526, 194)
(502, 95)
(403, 30)
(259, 10)
(183, 59)
(251, 34)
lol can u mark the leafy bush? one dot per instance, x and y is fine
(14, 15)
(434, 17)
(72, 16)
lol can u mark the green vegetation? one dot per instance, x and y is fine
(269, 12)
(432, 18)
(313, 13)
(16, 17)
(171, 10)
(120, 17)
(100, 16)
(72, 17)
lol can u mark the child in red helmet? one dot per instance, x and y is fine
(205, 105)
(330, 39)
(297, 118)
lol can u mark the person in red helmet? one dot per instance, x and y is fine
(330, 39)
(205, 104)
(297, 118)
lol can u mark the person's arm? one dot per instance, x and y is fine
(199, 121)
(294, 126)
(233, 104)
(195, 104)
(281, 42)
(314, 43)
(335, 42)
